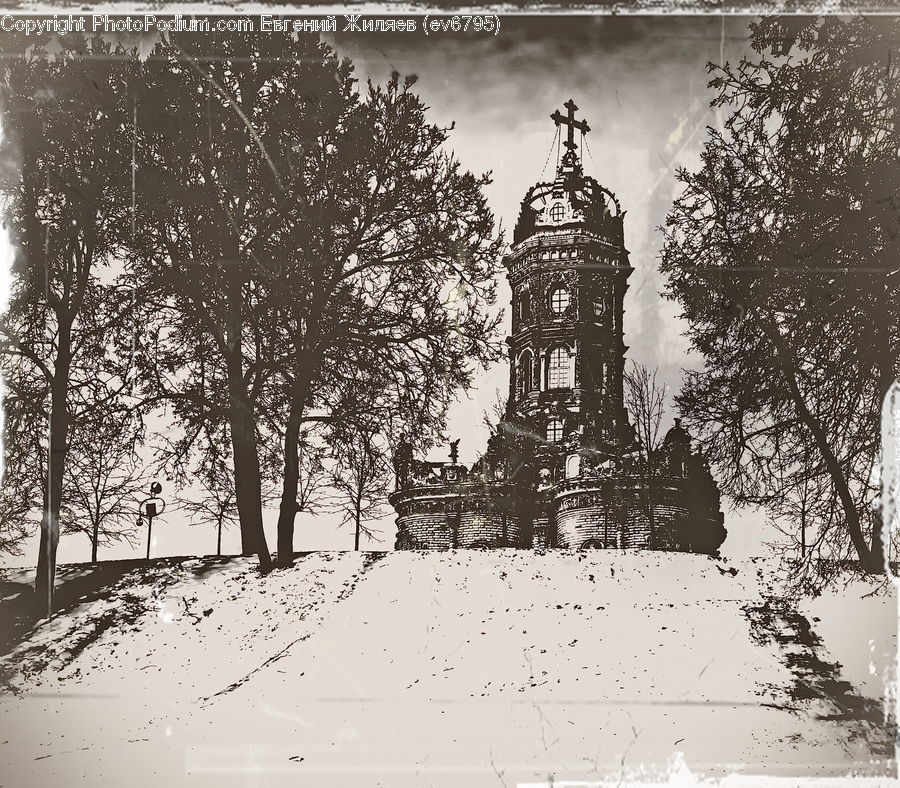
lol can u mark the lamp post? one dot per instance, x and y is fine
(150, 508)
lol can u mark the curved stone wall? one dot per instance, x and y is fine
(587, 515)
(424, 532)
(488, 529)
(443, 518)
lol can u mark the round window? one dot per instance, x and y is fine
(559, 300)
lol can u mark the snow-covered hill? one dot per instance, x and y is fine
(461, 669)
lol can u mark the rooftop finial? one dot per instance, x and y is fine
(569, 120)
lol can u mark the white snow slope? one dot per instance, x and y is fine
(463, 668)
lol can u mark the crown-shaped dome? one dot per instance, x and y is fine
(573, 199)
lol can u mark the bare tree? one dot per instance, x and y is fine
(24, 454)
(645, 401)
(495, 412)
(313, 478)
(104, 476)
(393, 270)
(361, 479)
(213, 501)
(244, 109)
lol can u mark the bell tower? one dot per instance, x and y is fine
(568, 270)
(563, 469)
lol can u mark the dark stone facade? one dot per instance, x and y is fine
(562, 469)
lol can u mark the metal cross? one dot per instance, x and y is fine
(570, 121)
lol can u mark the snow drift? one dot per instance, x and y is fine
(463, 668)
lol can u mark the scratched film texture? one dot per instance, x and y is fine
(472, 668)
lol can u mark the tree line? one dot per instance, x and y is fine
(232, 254)
(230, 237)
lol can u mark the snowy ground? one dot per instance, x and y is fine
(460, 669)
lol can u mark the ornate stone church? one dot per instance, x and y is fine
(564, 468)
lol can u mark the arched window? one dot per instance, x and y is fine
(557, 212)
(559, 300)
(573, 466)
(554, 431)
(558, 368)
(523, 374)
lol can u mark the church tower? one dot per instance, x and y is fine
(563, 468)
(568, 270)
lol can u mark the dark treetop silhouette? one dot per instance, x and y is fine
(782, 253)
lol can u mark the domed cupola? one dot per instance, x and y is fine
(573, 199)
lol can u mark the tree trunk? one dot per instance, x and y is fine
(247, 480)
(247, 476)
(219, 538)
(650, 514)
(356, 538)
(287, 510)
(869, 562)
(56, 464)
(95, 537)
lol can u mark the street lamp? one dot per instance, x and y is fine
(150, 508)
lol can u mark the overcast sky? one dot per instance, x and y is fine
(641, 84)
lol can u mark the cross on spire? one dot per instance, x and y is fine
(569, 120)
